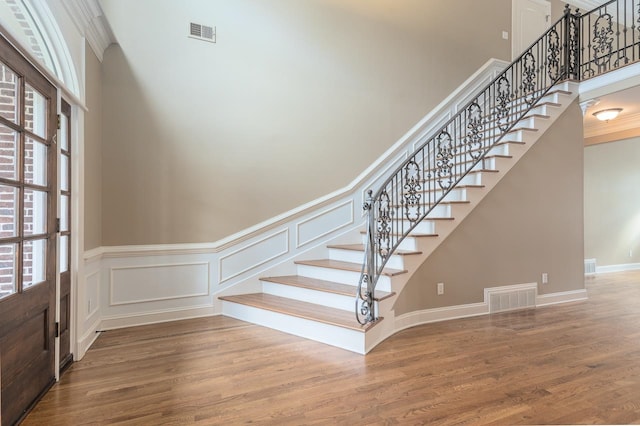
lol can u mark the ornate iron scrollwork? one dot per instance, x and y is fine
(364, 301)
(444, 157)
(383, 229)
(473, 140)
(412, 184)
(529, 77)
(603, 40)
(553, 54)
(574, 45)
(502, 100)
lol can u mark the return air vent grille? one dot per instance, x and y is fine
(589, 266)
(202, 32)
(512, 298)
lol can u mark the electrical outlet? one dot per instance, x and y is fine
(505, 35)
(440, 289)
(545, 278)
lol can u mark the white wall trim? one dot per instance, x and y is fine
(89, 20)
(446, 313)
(617, 268)
(561, 297)
(426, 316)
(87, 339)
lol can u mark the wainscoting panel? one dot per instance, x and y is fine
(151, 283)
(324, 223)
(253, 255)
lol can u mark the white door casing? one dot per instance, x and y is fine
(529, 19)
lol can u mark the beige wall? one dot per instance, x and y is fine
(93, 153)
(612, 202)
(530, 223)
(294, 100)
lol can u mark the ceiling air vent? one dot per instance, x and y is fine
(202, 32)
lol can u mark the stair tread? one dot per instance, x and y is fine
(426, 218)
(346, 266)
(469, 186)
(398, 206)
(411, 234)
(310, 311)
(361, 247)
(322, 285)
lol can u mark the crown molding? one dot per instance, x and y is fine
(626, 122)
(89, 19)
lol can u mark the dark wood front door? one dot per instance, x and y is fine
(28, 184)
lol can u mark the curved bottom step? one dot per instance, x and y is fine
(331, 326)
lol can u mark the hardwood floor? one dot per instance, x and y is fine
(574, 363)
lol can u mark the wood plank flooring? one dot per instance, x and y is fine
(566, 364)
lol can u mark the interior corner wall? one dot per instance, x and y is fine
(530, 223)
(293, 101)
(612, 202)
(93, 152)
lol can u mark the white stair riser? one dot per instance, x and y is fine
(472, 179)
(340, 276)
(456, 194)
(425, 227)
(500, 150)
(408, 243)
(331, 300)
(336, 336)
(353, 256)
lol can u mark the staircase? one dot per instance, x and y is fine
(322, 300)
(318, 302)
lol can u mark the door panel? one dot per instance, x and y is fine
(28, 185)
(530, 20)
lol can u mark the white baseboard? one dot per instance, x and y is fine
(427, 316)
(132, 320)
(87, 339)
(447, 313)
(561, 297)
(617, 268)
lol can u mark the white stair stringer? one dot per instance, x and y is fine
(423, 242)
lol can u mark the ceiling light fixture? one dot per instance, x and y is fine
(607, 114)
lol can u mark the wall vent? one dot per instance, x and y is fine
(511, 298)
(589, 266)
(202, 32)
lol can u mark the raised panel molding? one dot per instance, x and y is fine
(253, 255)
(324, 223)
(152, 283)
